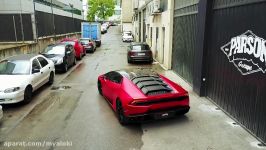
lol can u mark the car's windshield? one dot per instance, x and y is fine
(84, 41)
(127, 34)
(57, 50)
(69, 42)
(14, 67)
(140, 47)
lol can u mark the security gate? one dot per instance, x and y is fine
(236, 68)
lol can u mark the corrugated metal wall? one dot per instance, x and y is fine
(243, 96)
(15, 27)
(184, 37)
(62, 24)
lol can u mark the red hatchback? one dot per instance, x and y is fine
(79, 49)
(142, 95)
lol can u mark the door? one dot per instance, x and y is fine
(112, 85)
(36, 76)
(45, 69)
(234, 83)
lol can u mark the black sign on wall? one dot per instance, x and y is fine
(247, 52)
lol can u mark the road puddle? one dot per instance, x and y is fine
(60, 88)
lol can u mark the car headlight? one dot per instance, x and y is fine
(60, 61)
(11, 90)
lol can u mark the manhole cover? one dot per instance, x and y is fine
(60, 88)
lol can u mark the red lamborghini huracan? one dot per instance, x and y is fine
(141, 95)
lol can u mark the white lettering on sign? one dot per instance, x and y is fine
(247, 52)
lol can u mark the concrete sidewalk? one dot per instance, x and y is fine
(205, 127)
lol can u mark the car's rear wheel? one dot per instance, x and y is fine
(74, 62)
(51, 78)
(100, 87)
(85, 53)
(123, 120)
(27, 95)
(80, 56)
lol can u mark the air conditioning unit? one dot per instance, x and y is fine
(156, 7)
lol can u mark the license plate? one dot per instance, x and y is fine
(141, 54)
(163, 115)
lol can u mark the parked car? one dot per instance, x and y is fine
(142, 95)
(79, 49)
(127, 36)
(21, 75)
(62, 54)
(139, 52)
(1, 113)
(103, 29)
(88, 44)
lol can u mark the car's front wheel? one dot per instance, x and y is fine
(51, 78)
(85, 53)
(100, 87)
(27, 95)
(123, 120)
(65, 67)
(74, 62)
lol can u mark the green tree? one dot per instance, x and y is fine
(100, 8)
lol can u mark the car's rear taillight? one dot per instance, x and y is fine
(137, 102)
(132, 53)
(149, 53)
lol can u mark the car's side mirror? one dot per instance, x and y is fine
(68, 52)
(35, 70)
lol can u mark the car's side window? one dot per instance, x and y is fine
(71, 48)
(114, 77)
(42, 61)
(35, 64)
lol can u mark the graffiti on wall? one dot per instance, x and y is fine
(247, 52)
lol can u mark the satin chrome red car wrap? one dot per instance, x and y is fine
(129, 95)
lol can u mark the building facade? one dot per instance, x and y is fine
(126, 16)
(27, 20)
(219, 48)
(153, 23)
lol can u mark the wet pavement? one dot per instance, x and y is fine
(73, 114)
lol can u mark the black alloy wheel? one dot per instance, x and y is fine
(100, 87)
(123, 120)
(27, 95)
(51, 78)
(74, 62)
(65, 69)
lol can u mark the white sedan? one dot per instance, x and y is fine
(21, 75)
(1, 113)
(127, 36)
